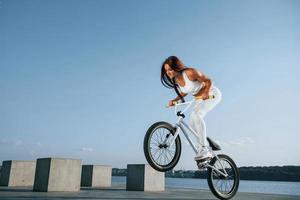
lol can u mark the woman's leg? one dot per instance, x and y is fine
(198, 125)
(201, 108)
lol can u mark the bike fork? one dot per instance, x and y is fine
(174, 137)
(222, 173)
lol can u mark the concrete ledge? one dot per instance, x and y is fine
(17, 173)
(57, 174)
(143, 177)
(96, 176)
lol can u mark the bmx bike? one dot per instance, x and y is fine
(162, 149)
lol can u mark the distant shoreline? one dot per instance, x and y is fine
(273, 173)
(205, 179)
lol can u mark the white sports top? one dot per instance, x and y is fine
(192, 87)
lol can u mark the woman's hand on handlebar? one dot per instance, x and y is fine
(172, 103)
(205, 96)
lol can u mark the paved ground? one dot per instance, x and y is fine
(119, 192)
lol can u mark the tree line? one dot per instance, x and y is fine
(273, 173)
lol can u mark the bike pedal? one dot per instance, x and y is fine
(202, 165)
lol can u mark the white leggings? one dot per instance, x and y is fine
(200, 109)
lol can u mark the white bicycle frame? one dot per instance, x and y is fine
(180, 125)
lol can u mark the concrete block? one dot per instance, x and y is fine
(96, 176)
(144, 178)
(57, 174)
(17, 173)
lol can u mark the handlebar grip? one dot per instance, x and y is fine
(174, 103)
(209, 97)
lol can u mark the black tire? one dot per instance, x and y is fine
(214, 178)
(153, 144)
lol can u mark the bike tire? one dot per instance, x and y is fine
(147, 148)
(236, 178)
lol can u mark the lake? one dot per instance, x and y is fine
(267, 187)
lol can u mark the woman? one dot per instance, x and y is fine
(191, 81)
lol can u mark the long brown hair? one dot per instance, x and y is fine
(175, 65)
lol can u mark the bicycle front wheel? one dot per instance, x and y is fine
(159, 154)
(223, 187)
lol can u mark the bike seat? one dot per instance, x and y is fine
(213, 145)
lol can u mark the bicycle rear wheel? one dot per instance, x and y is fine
(223, 187)
(159, 155)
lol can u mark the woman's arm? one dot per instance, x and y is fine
(178, 97)
(171, 102)
(195, 75)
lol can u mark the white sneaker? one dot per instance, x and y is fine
(203, 154)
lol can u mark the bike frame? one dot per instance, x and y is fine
(181, 126)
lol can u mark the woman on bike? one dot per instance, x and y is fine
(185, 80)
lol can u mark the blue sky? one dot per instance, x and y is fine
(81, 79)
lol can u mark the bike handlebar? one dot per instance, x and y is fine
(196, 98)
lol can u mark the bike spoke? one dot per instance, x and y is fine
(165, 157)
(159, 156)
(156, 138)
(157, 150)
(154, 143)
(161, 134)
(169, 156)
(172, 154)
